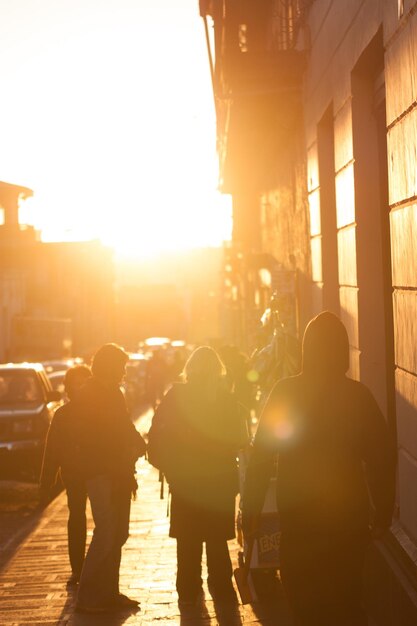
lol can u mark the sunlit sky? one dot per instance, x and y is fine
(107, 114)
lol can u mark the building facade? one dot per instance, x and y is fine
(14, 240)
(60, 283)
(76, 281)
(257, 81)
(337, 201)
(176, 295)
(360, 105)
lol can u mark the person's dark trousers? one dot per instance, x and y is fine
(77, 524)
(110, 506)
(189, 555)
(322, 578)
(219, 568)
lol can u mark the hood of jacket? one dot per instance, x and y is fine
(325, 346)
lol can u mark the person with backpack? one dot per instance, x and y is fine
(195, 435)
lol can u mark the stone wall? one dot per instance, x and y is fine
(360, 92)
(401, 72)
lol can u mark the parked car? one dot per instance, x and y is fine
(61, 365)
(27, 404)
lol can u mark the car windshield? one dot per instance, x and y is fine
(19, 386)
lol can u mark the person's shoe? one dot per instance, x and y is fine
(122, 601)
(74, 579)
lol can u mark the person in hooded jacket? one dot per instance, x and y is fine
(108, 446)
(335, 479)
(196, 433)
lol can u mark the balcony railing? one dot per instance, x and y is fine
(257, 77)
(254, 42)
(286, 18)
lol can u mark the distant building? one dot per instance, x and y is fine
(12, 303)
(148, 310)
(74, 280)
(10, 199)
(176, 295)
(52, 281)
(40, 338)
(257, 83)
(14, 242)
(316, 111)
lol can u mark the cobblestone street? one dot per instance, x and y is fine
(33, 575)
(19, 507)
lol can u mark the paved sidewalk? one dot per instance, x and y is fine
(33, 582)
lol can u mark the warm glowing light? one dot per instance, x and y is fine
(284, 429)
(252, 376)
(281, 422)
(178, 343)
(156, 342)
(109, 117)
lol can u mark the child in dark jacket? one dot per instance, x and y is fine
(60, 461)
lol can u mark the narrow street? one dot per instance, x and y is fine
(33, 574)
(238, 177)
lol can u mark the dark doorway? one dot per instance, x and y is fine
(376, 329)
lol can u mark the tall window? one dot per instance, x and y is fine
(325, 141)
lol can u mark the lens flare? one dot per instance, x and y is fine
(281, 422)
(252, 376)
(284, 430)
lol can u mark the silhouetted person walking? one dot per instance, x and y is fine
(60, 459)
(109, 446)
(194, 439)
(333, 446)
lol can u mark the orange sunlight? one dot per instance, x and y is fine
(109, 118)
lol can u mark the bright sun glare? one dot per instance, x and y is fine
(109, 117)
